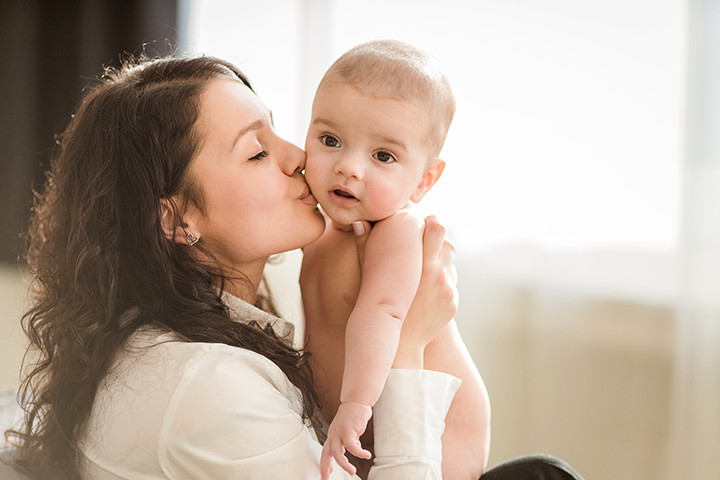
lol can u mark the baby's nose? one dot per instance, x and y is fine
(351, 166)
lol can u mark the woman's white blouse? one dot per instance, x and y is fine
(180, 410)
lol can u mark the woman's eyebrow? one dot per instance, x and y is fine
(256, 125)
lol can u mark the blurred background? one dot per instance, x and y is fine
(582, 190)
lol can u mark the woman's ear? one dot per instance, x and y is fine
(182, 233)
(431, 175)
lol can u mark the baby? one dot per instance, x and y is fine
(379, 120)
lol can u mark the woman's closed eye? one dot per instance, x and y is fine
(384, 157)
(330, 141)
(259, 156)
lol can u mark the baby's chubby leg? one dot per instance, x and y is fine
(466, 441)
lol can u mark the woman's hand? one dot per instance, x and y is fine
(436, 300)
(362, 231)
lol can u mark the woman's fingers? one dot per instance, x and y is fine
(447, 261)
(447, 252)
(362, 231)
(439, 272)
(432, 238)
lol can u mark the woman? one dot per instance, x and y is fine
(169, 191)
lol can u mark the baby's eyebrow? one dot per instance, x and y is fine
(324, 122)
(392, 141)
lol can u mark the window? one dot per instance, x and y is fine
(567, 136)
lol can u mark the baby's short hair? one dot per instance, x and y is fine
(395, 69)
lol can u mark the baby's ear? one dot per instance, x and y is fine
(167, 221)
(431, 175)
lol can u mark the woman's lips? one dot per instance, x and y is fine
(308, 197)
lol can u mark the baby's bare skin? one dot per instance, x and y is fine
(330, 281)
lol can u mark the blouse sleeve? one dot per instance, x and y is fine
(234, 415)
(408, 421)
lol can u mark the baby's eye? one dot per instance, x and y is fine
(384, 157)
(330, 141)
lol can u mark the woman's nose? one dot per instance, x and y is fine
(294, 159)
(350, 166)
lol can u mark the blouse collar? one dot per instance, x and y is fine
(241, 311)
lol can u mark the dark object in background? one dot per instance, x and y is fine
(50, 51)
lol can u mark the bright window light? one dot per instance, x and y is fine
(568, 127)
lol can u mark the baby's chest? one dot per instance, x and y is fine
(331, 285)
(340, 283)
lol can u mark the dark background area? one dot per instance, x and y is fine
(50, 51)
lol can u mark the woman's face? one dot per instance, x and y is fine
(256, 201)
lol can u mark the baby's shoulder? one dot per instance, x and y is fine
(405, 221)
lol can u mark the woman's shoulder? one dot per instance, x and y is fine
(164, 393)
(203, 362)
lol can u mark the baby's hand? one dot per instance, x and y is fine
(344, 434)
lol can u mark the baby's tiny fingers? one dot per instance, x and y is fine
(345, 464)
(355, 447)
(326, 467)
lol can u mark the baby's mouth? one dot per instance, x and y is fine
(343, 193)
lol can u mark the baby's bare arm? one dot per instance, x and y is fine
(391, 270)
(390, 275)
(434, 303)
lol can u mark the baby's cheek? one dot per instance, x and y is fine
(391, 200)
(313, 182)
(311, 171)
(393, 192)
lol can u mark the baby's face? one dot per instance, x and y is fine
(365, 155)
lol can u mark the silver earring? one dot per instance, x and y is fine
(192, 239)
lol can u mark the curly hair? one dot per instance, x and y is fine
(101, 263)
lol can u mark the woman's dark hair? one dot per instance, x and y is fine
(101, 263)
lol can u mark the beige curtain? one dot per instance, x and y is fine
(694, 446)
